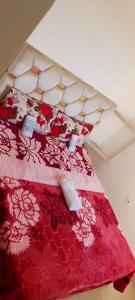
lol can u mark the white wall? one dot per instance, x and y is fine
(96, 41)
(118, 178)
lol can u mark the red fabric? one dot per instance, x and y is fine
(47, 252)
(122, 283)
(4, 112)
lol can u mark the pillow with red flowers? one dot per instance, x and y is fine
(83, 130)
(17, 105)
(64, 126)
(50, 120)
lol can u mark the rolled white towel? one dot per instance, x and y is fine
(70, 195)
(28, 126)
(73, 142)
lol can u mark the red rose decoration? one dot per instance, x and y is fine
(30, 102)
(4, 112)
(63, 128)
(55, 130)
(40, 121)
(13, 112)
(59, 120)
(9, 101)
(46, 110)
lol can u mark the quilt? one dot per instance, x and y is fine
(47, 251)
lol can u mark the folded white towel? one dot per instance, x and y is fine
(70, 195)
(73, 142)
(28, 126)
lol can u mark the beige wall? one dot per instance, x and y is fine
(118, 178)
(17, 20)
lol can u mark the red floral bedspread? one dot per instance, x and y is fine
(47, 252)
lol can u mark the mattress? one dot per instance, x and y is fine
(47, 251)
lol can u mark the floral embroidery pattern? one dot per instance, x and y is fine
(28, 149)
(57, 154)
(14, 238)
(42, 250)
(83, 228)
(77, 163)
(42, 149)
(8, 182)
(52, 151)
(59, 214)
(7, 140)
(104, 210)
(23, 205)
(47, 272)
(88, 163)
(84, 234)
(24, 210)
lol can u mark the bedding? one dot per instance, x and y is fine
(64, 126)
(50, 121)
(46, 251)
(16, 105)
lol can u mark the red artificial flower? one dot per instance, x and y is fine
(29, 102)
(13, 112)
(10, 101)
(46, 110)
(40, 121)
(4, 112)
(59, 120)
(55, 130)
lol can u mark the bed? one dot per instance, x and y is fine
(47, 251)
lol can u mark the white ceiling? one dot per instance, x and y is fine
(95, 40)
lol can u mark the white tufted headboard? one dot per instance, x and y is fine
(35, 74)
